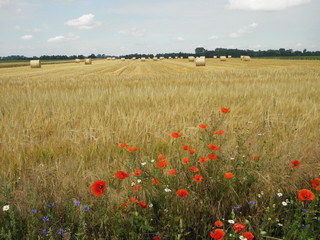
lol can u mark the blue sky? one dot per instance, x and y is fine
(52, 27)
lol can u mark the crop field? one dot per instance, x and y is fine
(61, 126)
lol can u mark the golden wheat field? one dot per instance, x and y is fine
(61, 124)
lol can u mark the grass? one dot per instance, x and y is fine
(61, 124)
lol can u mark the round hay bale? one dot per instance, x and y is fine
(77, 60)
(215, 57)
(246, 58)
(229, 56)
(191, 58)
(241, 57)
(108, 58)
(35, 63)
(161, 58)
(87, 61)
(155, 59)
(170, 57)
(223, 58)
(181, 57)
(143, 59)
(176, 58)
(134, 58)
(200, 61)
(123, 59)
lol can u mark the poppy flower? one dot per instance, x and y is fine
(162, 164)
(305, 195)
(295, 163)
(203, 126)
(143, 204)
(256, 158)
(172, 172)
(98, 187)
(136, 187)
(160, 157)
(239, 227)
(123, 145)
(218, 224)
(132, 149)
(185, 160)
(137, 172)
(316, 184)
(192, 151)
(218, 234)
(121, 175)
(124, 204)
(228, 175)
(212, 156)
(156, 238)
(248, 235)
(194, 169)
(219, 132)
(155, 181)
(134, 200)
(213, 147)
(202, 160)
(186, 148)
(198, 178)
(225, 110)
(182, 193)
(175, 135)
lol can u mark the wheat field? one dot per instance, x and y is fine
(61, 124)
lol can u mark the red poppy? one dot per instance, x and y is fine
(162, 164)
(172, 172)
(185, 160)
(160, 157)
(186, 148)
(137, 172)
(194, 169)
(228, 175)
(248, 235)
(239, 227)
(213, 147)
(155, 181)
(175, 135)
(192, 151)
(98, 187)
(219, 132)
(202, 160)
(203, 126)
(134, 200)
(295, 163)
(218, 234)
(124, 204)
(123, 145)
(225, 110)
(305, 195)
(256, 158)
(132, 149)
(218, 224)
(136, 187)
(198, 178)
(156, 238)
(143, 204)
(182, 193)
(212, 156)
(316, 184)
(121, 175)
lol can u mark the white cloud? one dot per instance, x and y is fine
(61, 38)
(4, 2)
(213, 37)
(244, 30)
(265, 5)
(299, 44)
(85, 22)
(180, 38)
(132, 32)
(26, 37)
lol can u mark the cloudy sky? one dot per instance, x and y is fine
(52, 27)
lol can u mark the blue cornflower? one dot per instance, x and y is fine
(45, 231)
(236, 208)
(45, 219)
(304, 210)
(60, 231)
(76, 203)
(34, 211)
(252, 203)
(86, 208)
(50, 204)
(304, 226)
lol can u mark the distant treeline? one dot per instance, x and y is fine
(198, 52)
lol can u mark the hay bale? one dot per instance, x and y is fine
(241, 57)
(176, 58)
(143, 59)
(155, 59)
(246, 58)
(134, 58)
(35, 63)
(223, 58)
(123, 59)
(170, 57)
(108, 58)
(161, 58)
(77, 60)
(200, 61)
(181, 57)
(229, 56)
(191, 58)
(215, 57)
(87, 61)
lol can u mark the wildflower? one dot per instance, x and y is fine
(139, 180)
(236, 208)
(137, 172)
(252, 203)
(167, 189)
(143, 163)
(135, 188)
(194, 169)
(186, 148)
(86, 208)
(45, 219)
(279, 194)
(259, 195)
(143, 205)
(162, 164)
(295, 163)
(123, 145)
(150, 205)
(213, 147)
(218, 224)
(76, 203)
(185, 160)
(219, 132)
(203, 126)
(121, 175)
(155, 181)
(231, 221)
(305, 195)
(160, 157)
(248, 235)
(182, 193)
(134, 200)
(156, 238)
(228, 175)
(50, 205)
(198, 178)
(256, 158)
(132, 184)
(34, 211)
(172, 172)
(45, 231)
(239, 227)
(304, 226)
(212, 156)
(202, 160)
(304, 211)
(98, 187)
(175, 135)
(60, 231)
(218, 234)
(5, 208)
(242, 238)
(132, 149)
(152, 160)
(192, 151)
(225, 110)
(285, 204)
(316, 184)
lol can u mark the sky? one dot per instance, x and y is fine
(119, 27)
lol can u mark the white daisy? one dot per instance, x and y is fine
(6, 208)
(284, 203)
(231, 221)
